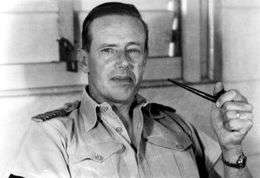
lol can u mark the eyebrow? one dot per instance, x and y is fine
(134, 43)
(107, 45)
(115, 45)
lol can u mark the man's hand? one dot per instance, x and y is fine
(232, 118)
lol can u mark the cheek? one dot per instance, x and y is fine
(104, 71)
(139, 70)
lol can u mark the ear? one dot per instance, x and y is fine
(82, 58)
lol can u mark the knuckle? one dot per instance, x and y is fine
(247, 116)
(234, 91)
(230, 114)
(250, 106)
(247, 107)
(232, 124)
(227, 105)
(250, 115)
(243, 98)
(249, 124)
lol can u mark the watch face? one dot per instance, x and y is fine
(242, 160)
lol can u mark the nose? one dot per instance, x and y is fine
(124, 61)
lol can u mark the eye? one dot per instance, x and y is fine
(107, 51)
(134, 51)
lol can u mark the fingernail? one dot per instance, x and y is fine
(217, 104)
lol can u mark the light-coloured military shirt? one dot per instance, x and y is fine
(93, 142)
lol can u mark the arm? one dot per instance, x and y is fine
(227, 172)
(42, 153)
(231, 120)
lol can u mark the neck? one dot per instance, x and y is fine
(121, 108)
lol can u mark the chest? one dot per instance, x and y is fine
(113, 159)
(169, 162)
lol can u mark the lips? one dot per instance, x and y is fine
(123, 79)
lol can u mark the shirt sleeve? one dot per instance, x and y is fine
(42, 153)
(209, 152)
(211, 148)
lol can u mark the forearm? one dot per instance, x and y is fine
(236, 173)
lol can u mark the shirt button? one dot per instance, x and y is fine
(122, 149)
(119, 129)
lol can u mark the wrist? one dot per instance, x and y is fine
(231, 155)
(234, 158)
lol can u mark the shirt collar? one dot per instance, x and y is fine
(88, 108)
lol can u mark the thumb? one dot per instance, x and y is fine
(218, 87)
(216, 119)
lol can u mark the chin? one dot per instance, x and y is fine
(122, 94)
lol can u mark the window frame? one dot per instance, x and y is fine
(200, 62)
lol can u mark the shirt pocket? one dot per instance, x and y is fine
(170, 155)
(170, 160)
(96, 160)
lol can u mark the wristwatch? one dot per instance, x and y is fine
(240, 163)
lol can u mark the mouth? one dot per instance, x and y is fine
(123, 79)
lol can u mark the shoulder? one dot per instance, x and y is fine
(167, 116)
(61, 112)
(204, 146)
(58, 120)
(162, 122)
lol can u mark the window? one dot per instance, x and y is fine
(30, 51)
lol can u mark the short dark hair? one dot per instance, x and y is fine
(110, 8)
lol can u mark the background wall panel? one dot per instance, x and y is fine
(28, 38)
(28, 31)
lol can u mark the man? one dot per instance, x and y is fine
(114, 132)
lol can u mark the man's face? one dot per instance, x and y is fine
(116, 58)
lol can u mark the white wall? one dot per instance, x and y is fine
(241, 67)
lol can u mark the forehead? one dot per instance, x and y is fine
(122, 27)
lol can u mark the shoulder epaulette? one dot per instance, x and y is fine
(62, 112)
(155, 110)
(159, 111)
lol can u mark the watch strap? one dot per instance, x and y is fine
(240, 163)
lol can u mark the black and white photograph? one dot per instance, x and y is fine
(129, 89)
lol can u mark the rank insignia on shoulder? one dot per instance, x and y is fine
(62, 112)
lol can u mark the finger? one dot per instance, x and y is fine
(238, 106)
(229, 115)
(218, 87)
(240, 125)
(231, 95)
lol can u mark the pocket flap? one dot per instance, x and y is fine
(98, 152)
(172, 138)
